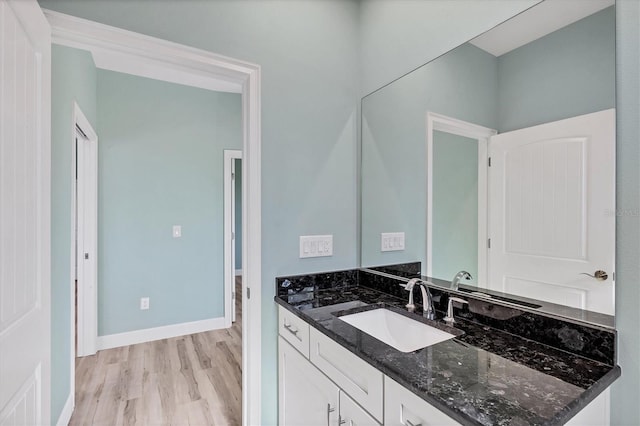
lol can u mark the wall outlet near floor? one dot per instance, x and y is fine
(392, 241)
(144, 303)
(316, 245)
(176, 231)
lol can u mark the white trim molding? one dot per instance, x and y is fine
(119, 50)
(482, 134)
(238, 272)
(187, 65)
(230, 155)
(67, 411)
(156, 333)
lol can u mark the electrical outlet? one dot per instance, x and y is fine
(144, 303)
(177, 231)
(392, 241)
(316, 246)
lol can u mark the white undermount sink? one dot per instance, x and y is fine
(398, 331)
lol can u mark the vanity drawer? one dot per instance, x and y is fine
(352, 414)
(404, 408)
(360, 380)
(293, 330)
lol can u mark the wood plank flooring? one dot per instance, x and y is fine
(187, 380)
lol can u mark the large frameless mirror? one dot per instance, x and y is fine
(498, 158)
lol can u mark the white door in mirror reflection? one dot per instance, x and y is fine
(552, 211)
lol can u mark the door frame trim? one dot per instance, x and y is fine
(188, 65)
(482, 134)
(230, 155)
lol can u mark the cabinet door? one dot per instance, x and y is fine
(360, 380)
(404, 408)
(305, 395)
(594, 414)
(351, 414)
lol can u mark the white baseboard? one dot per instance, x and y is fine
(165, 332)
(67, 411)
(238, 272)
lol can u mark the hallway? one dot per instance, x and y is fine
(186, 380)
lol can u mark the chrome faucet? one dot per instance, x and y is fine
(456, 280)
(427, 301)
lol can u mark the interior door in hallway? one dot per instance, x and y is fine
(552, 212)
(232, 229)
(25, 219)
(86, 246)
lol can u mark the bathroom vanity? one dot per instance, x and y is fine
(551, 371)
(497, 158)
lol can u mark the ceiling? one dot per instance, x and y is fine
(536, 22)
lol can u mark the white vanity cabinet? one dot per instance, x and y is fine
(308, 397)
(404, 408)
(351, 414)
(322, 383)
(294, 330)
(305, 395)
(356, 377)
(595, 414)
(311, 394)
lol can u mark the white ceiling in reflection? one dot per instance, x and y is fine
(545, 18)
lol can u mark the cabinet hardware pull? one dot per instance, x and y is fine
(291, 329)
(408, 423)
(329, 411)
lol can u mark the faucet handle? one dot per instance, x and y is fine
(409, 287)
(449, 318)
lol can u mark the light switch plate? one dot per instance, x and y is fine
(392, 241)
(316, 246)
(177, 231)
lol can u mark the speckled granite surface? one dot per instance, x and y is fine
(484, 376)
(579, 339)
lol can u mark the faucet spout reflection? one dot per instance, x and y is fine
(459, 276)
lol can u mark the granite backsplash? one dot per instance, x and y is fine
(590, 342)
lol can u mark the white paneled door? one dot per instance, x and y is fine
(86, 230)
(552, 211)
(25, 157)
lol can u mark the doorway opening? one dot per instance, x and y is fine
(137, 54)
(457, 142)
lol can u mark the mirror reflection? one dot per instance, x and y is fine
(498, 158)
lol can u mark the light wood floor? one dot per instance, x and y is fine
(188, 380)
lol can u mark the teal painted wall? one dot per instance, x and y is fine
(566, 73)
(238, 214)
(310, 82)
(455, 206)
(625, 393)
(398, 36)
(161, 164)
(308, 52)
(462, 84)
(73, 79)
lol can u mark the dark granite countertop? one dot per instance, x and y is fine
(482, 377)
